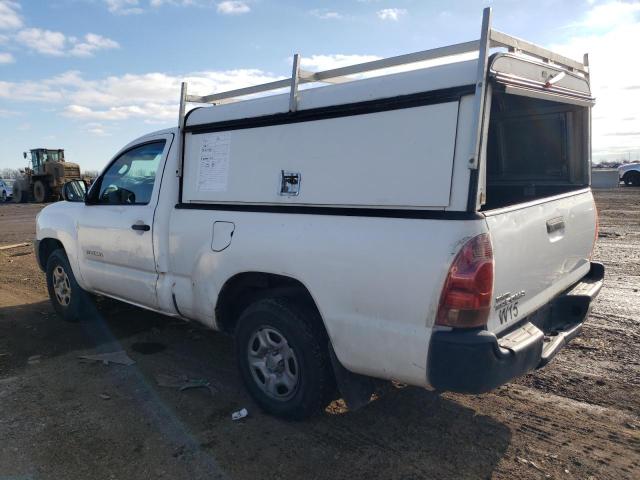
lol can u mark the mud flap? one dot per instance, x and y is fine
(356, 390)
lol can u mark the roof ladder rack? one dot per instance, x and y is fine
(489, 38)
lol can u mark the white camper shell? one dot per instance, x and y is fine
(431, 226)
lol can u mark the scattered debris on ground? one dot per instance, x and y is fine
(182, 382)
(34, 359)
(608, 234)
(120, 357)
(14, 245)
(239, 414)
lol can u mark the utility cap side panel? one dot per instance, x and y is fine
(396, 158)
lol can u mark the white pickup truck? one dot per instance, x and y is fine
(630, 174)
(433, 226)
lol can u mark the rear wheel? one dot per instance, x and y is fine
(41, 191)
(3, 197)
(282, 353)
(69, 300)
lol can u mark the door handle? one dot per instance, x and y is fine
(141, 227)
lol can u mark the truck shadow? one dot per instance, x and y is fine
(406, 433)
(34, 329)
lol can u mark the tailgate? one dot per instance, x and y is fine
(540, 249)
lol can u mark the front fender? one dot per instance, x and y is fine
(58, 221)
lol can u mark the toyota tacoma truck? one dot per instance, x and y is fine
(432, 227)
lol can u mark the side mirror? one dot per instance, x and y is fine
(24, 154)
(74, 191)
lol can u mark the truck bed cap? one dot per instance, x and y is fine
(448, 76)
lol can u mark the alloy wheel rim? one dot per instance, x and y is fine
(273, 363)
(61, 286)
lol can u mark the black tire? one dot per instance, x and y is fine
(76, 308)
(3, 196)
(302, 331)
(632, 178)
(19, 195)
(41, 192)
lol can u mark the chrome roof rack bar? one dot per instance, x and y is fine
(499, 39)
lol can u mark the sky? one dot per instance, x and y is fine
(91, 75)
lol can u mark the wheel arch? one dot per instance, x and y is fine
(630, 174)
(242, 289)
(46, 247)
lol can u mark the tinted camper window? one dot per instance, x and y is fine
(536, 148)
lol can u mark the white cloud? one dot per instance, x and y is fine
(233, 7)
(52, 43)
(29, 91)
(42, 41)
(121, 113)
(124, 7)
(97, 129)
(4, 113)
(10, 19)
(391, 13)
(92, 43)
(323, 14)
(328, 62)
(609, 15)
(609, 33)
(6, 58)
(151, 97)
(182, 3)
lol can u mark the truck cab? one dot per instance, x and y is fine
(39, 156)
(432, 227)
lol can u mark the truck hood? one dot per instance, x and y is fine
(629, 166)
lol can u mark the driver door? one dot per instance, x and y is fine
(115, 231)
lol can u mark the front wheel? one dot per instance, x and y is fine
(632, 178)
(40, 191)
(282, 353)
(69, 300)
(4, 196)
(19, 195)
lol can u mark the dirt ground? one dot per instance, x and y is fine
(61, 418)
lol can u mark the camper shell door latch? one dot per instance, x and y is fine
(290, 183)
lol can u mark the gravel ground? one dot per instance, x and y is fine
(63, 418)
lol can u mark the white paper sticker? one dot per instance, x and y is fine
(213, 169)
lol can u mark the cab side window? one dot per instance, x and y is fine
(130, 178)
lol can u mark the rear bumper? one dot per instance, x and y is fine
(476, 361)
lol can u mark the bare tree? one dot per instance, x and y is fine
(9, 173)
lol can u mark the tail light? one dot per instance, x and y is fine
(466, 296)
